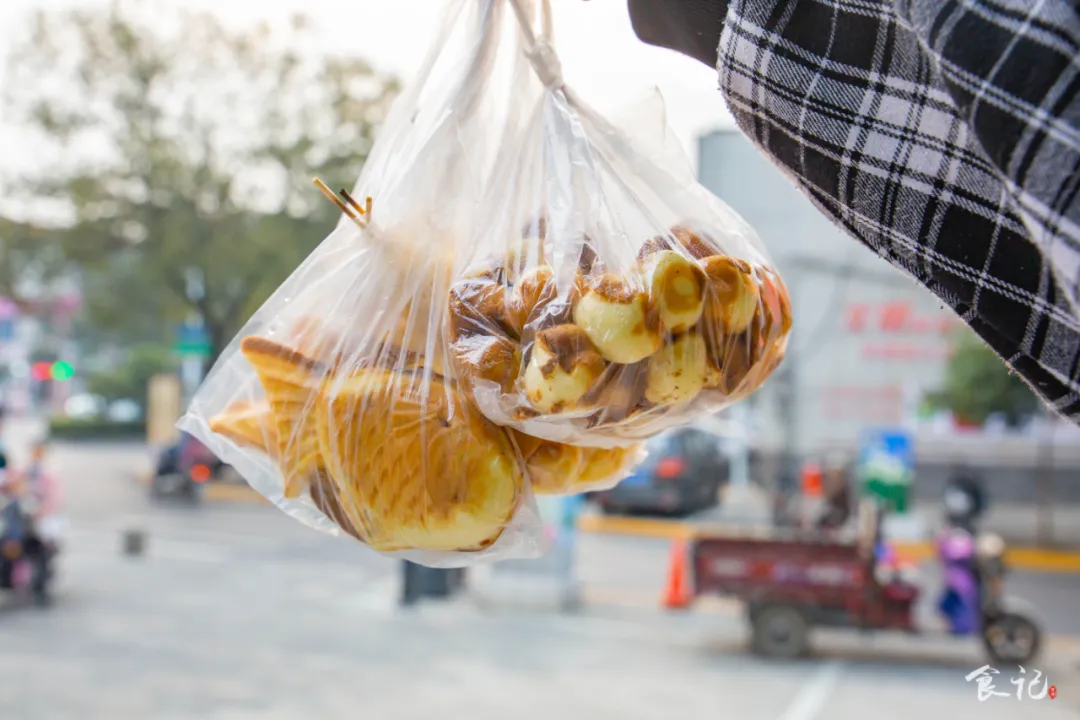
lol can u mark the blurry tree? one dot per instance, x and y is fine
(26, 256)
(978, 384)
(186, 150)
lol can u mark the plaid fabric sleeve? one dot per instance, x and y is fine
(899, 123)
(943, 134)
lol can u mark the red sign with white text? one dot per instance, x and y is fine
(893, 320)
(895, 317)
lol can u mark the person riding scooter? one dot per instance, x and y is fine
(961, 599)
(32, 520)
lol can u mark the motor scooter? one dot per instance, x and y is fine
(184, 469)
(973, 565)
(26, 551)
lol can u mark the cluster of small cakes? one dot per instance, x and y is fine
(687, 322)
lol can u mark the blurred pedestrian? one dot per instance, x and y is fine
(836, 492)
(42, 493)
(40, 483)
(943, 136)
(37, 503)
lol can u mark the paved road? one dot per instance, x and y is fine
(173, 637)
(238, 613)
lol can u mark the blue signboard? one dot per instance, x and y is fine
(191, 339)
(887, 467)
(7, 330)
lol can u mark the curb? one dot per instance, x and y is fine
(1020, 558)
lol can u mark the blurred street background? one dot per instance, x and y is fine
(155, 187)
(236, 611)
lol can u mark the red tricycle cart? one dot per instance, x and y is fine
(791, 582)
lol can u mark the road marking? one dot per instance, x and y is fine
(812, 696)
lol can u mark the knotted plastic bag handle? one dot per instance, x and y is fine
(539, 49)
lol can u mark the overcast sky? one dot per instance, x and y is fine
(601, 56)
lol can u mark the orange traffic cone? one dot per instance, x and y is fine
(677, 594)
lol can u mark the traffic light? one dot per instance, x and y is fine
(61, 371)
(41, 371)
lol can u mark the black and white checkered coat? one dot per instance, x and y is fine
(943, 134)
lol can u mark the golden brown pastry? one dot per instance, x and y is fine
(559, 469)
(290, 383)
(312, 337)
(551, 465)
(604, 467)
(679, 371)
(731, 362)
(732, 297)
(325, 497)
(619, 392)
(616, 316)
(678, 287)
(680, 237)
(492, 358)
(249, 425)
(479, 306)
(563, 367)
(532, 293)
(535, 233)
(411, 469)
(775, 305)
(696, 244)
(404, 348)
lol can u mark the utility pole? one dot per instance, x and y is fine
(786, 377)
(191, 365)
(787, 405)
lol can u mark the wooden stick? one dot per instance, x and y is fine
(349, 199)
(366, 210)
(341, 204)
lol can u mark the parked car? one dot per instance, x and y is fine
(683, 473)
(184, 469)
(124, 411)
(85, 406)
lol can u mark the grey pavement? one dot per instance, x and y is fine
(186, 638)
(239, 613)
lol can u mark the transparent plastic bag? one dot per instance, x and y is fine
(378, 394)
(606, 296)
(338, 400)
